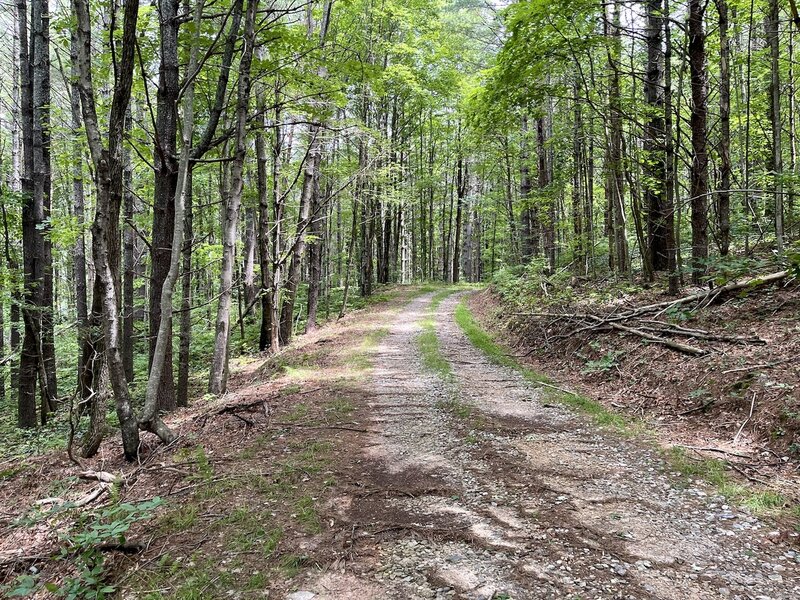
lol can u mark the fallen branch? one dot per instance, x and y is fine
(747, 420)
(555, 387)
(670, 329)
(717, 450)
(759, 366)
(703, 406)
(703, 297)
(83, 501)
(653, 338)
(102, 476)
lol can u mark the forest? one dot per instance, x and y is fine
(195, 193)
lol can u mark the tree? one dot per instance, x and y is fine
(775, 120)
(654, 140)
(699, 110)
(219, 366)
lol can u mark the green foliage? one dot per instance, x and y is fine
(606, 363)
(81, 548)
(793, 257)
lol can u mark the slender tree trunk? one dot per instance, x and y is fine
(723, 197)
(278, 205)
(263, 241)
(654, 141)
(615, 183)
(315, 248)
(669, 156)
(310, 187)
(128, 267)
(218, 379)
(78, 203)
(249, 270)
(29, 356)
(184, 351)
(577, 183)
(108, 164)
(530, 218)
(549, 221)
(699, 112)
(462, 177)
(166, 177)
(775, 118)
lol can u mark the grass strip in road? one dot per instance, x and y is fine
(428, 342)
(482, 340)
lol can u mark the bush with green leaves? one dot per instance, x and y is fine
(82, 546)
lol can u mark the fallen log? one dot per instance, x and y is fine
(667, 329)
(702, 298)
(686, 349)
(714, 294)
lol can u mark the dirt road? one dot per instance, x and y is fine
(479, 487)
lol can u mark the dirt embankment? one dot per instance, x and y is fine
(738, 399)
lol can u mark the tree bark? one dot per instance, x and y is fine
(108, 163)
(654, 141)
(263, 240)
(699, 112)
(184, 351)
(310, 186)
(723, 197)
(669, 158)
(166, 177)
(40, 30)
(462, 177)
(218, 378)
(249, 270)
(775, 119)
(78, 207)
(128, 266)
(29, 356)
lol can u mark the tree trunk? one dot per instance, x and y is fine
(549, 221)
(184, 351)
(669, 157)
(29, 356)
(278, 205)
(166, 177)
(128, 267)
(249, 270)
(699, 111)
(615, 176)
(315, 254)
(723, 197)
(654, 141)
(40, 43)
(108, 166)
(462, 177)
(78, 203)
(218, 378)
(263, 241)
(775, 119)
(310, 186)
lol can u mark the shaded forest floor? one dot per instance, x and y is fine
(241, 489)
(400, 453)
